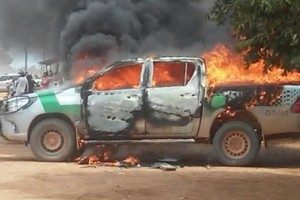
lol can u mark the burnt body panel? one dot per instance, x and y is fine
(144, 111)
(175, 109)
(270, 104)
(241, 96)
(114, 111)
(278, 118)
(113, 101)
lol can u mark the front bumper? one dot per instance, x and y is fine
(15, 124)
(12, 131)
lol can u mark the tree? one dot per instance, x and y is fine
(264, 29)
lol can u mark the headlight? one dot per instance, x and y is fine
(18, 103)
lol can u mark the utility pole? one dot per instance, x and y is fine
(26, 54)
(44, 50)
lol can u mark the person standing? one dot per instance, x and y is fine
(22, 84)
(31, 83)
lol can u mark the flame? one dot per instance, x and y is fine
(222, 65)
(226, 67)
(105, 159)
(85, 65)
(171, 74)
(131, 160)
(124, 77)
(83, 73)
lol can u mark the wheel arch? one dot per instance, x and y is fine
(235, 115)
(43, 116)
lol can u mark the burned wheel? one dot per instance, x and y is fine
(236, 143)
(53, 140)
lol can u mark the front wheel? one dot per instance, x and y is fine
(53, 140)
(236, 144)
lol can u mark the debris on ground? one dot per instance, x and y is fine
(208, 167)
(164, 166)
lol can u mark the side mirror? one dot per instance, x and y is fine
(84, 89)
(78, 90)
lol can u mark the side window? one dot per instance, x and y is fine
(123, 77)
(166, 74)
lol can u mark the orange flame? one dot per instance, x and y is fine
(131, 160)
(103, 160)
(226, 67)
(82, 74)
(85, 65)
(124, 77)
(223, 67)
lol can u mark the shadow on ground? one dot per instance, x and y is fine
(199, 154)
(182, 154)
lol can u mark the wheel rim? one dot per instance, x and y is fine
(52, 141)
(236, 144)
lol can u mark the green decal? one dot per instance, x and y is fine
(51, 104)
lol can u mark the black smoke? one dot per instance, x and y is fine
(110, 29)
(132, 27)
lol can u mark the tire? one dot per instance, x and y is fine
(53, 140)
(236, 144)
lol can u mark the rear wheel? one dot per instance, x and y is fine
(236, 143)
(53, 140)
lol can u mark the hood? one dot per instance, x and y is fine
(52, 91)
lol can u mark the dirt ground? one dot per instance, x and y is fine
(274, 175)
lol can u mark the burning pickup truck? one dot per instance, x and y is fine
(165, 98)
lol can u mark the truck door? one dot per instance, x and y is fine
(114, 102)
(174, 99)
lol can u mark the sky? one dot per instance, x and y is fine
(34, 56)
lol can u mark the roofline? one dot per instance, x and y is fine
(177, 57)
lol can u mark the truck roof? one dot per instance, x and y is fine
(162, 58)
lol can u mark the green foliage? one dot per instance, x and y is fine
(265, 29)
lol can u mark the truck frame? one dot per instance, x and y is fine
(145, 100)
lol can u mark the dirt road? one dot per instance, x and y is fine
(275, 175)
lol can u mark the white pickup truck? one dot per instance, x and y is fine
(7, 81)
(165, 98)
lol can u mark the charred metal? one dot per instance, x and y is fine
(117, 112)
(242, 96)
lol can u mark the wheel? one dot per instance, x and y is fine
(236, 144)
(53, 140)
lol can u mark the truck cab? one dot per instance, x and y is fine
(144, 99)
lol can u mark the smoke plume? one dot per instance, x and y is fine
(110, 29)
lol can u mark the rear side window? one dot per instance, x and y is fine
(124, 77)
(166, 74)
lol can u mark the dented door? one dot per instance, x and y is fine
(174, 100)
(115, 102)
